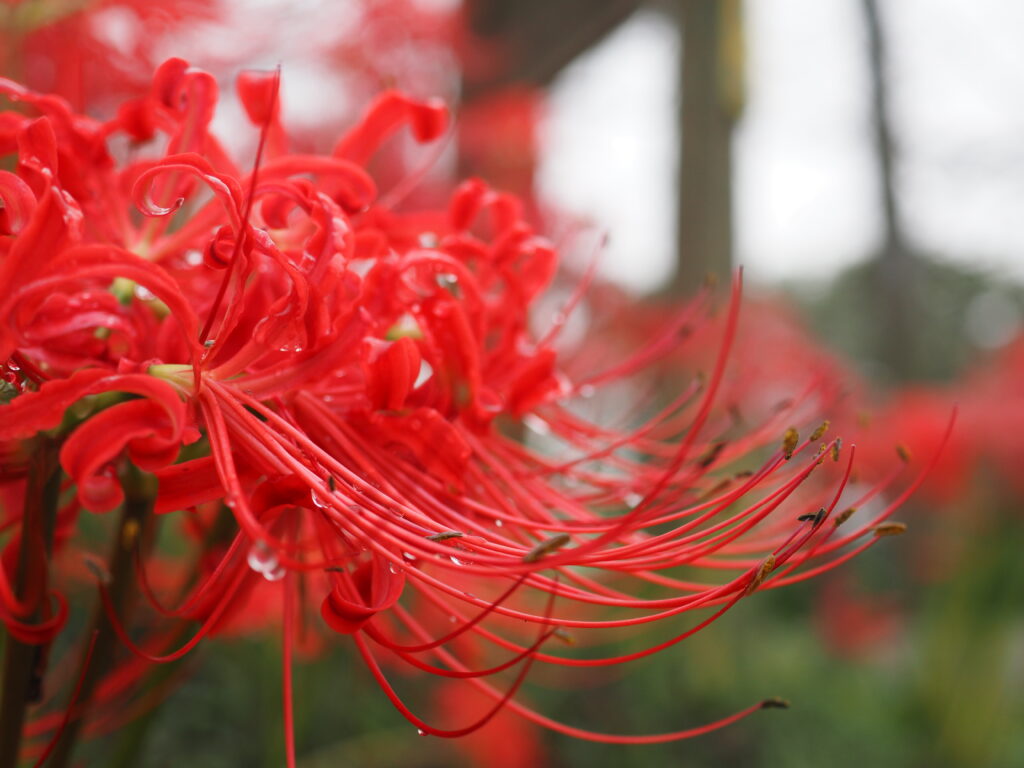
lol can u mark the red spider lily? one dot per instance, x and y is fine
(341, 375)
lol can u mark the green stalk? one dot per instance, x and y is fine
(132, 737)
(23, 663)
(135, 514)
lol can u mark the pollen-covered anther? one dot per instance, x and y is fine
(775, 703)
(762, 573)
(445, 535)
(820, 431)
(889, 529)
(903, 452)
(814, 517)
(790, 440)
(843, 516)
(566, 637)
(837, 446)
(546, 547)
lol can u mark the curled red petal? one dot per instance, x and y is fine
(98, 441)
(39, 633)
(376, 589)
(225, 188)
(33, 412)
(387, 114)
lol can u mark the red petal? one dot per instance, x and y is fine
(378, 589)
(100, 440)
(387, 114)
(16, 203)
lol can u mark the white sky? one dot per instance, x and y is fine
(804, 188)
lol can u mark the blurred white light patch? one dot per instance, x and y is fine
(992, 319)
(609, 149)
(804, 179)
(805, 184)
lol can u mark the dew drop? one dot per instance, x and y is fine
(420, 732)
(394, 568)
(536, 424)
(409, 556)
(193, 258)
(454, 559)
(142, 293)
(426, 371)
(587, 390)
(632, 499)
(274, 574)
(319, 500)
(263, 560)
(428, 240)
(499, 523)
(452, 619)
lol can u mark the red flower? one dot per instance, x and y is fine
(343, 374)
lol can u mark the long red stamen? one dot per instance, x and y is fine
(243, 233)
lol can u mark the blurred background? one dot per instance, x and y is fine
(862, 160)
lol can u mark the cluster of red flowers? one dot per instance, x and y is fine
(327, 388)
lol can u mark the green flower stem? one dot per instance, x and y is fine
(23, 663)
(135, 516)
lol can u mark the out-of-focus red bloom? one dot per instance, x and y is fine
(338, 376)
(852, 624)
(93, 53)
(912, 424)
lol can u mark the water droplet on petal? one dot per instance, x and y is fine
(319, 500)
(632, 499)
(426, 371)
(408, 555)
(587, 390)
(499, 523)
(536, 424)
(142, 293)
(262, 559)
(454, 559)
(274, 574)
